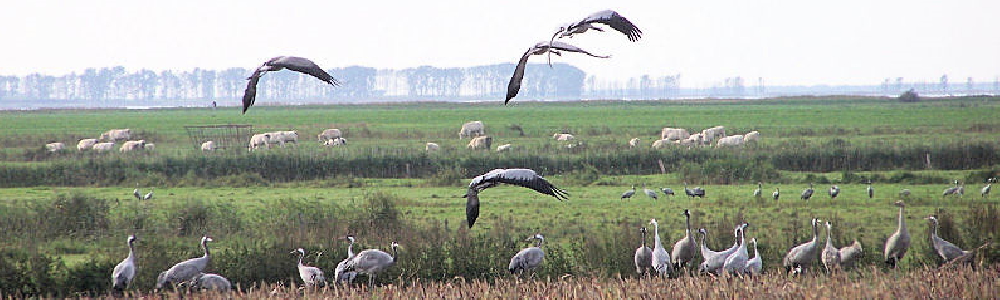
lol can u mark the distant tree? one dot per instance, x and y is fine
(909, 96)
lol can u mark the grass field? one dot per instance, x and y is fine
(73, 212)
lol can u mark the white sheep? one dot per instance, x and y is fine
(661, 143)
(634, 142)
(149, 146)
(101, 147)
(432, 147)
(480, 143)
(286, 137)
(712, 133)
(329, 134)
(259, 140)
(732, 140)
(115, 135)
(85, 144)
(563, 137)
(472, 129)
(133, 145)
(503, 147)
(53, 147)
(674, 134)
(208, 146)
(752, 136)
(335, 142)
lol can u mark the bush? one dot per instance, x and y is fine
(909, 96)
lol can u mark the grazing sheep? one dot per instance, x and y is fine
(115, 135)
(53, 147)
(472, 129)
(634, 143)
(85, 144)
(660, 144)
(694, 139)
(503, 147)
(329, 134)
(208, 146)
(732, 140)
(714, 132)
(149, 146)
(285, 137)
(432, 147)
(259, 140)
(100, 147)
(674, 134)
(335, 142)
(133, 145)
(480, 143)
(563, 137)
(752, 136)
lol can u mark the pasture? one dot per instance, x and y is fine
(71, 211)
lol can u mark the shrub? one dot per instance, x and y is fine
(909, 96)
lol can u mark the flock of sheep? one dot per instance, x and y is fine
(106, 142)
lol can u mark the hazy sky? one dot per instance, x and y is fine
(783, 41)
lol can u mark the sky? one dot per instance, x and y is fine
(785, 42)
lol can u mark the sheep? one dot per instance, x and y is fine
(285, 137)
(149, 146)
(714, 132)
(634, 142)
(260, 139)
(432, 147)
(85, 144)
(132, 145)
(115, 135)
(472, 129)
(503, 147)
(335, 142)
(752, 136)
(674, 134)
(329, 134)
(694, 139)
(100, 147)
(480, 143)
(53, 147)
(208, 146)
(660, 144)
(563, 137)
(732, 140)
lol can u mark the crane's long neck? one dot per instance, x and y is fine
(300, 258)
(131, 251)
(902, 221)
(829, 241)
(540, 242)
(643, 239)
(935, 228)
(350, 249)
(394, 254)
(687, 221)
(205, 245)
(815, 233)
(755, 253)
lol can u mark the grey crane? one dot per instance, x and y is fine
(339, 273)
(834, 191)
(628, 193)
(948, 251)
(667, 191)
(685, 249)
(805, 254)
(136, 193)
(850, 254)
(149, 195)
(755, 265)
(372, 261)
(713, 263)
(185, 270)
(952, 190)
(528, 258)
(986, 189)
(607, 17)
(124, 272)
(643, 255)
(870, 190)
(830, 255)
(695, 192)
(211, 282)
(899, 241)
(737, 262)
(514, 86)
(526, 178)
(807, 193)
(650, 193)
(660, 259)
(311, 276)
(294, 63)
(757, 192)
(776, 194)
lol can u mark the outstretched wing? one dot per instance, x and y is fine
(251, 92)
(515, 80)
(557, 45)
(616, 21)
(471, 207)
(521, 177)
(304, 65)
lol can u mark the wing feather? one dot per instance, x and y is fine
(304, 65)
(617, 22)
(250, 94)
(515, 80)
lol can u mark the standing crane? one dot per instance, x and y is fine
(899, 242)
(628, 193)
(135, 192)
(528, 258)
(830, 255)
(660, 257)
(737, 262)
(870, 190)
(294, 63)
(685, 248)
(526, 178)
(948, 251)
(834, 191)
(755, 265)
(804, 255)
(650, 193)
(757, 192)
(311, 276)
(776, 194)
(667, 191)
(339, 274)
(807, 193)
(643, 255)
(986, 190)
(124, 272)
(149, 195)
(372, 261)
(185, 270)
